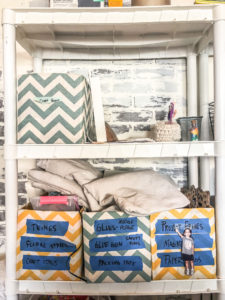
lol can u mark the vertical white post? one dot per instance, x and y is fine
(98, 109)
(192, 111)
(219, 89)
(9, 44)
(204, 99)
(37, 62)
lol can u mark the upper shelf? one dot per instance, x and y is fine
(116, 150)
(128, 32)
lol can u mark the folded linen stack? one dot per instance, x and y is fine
(137, 193)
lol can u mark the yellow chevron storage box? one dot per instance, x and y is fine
(116, 247)
(54, 109)
(183, 244)
(49, 245)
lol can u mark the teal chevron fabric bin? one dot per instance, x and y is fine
(116, 247)
(54, 108)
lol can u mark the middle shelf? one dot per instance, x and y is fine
(116, 150)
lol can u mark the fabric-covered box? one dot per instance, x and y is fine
(49, 245)
(53, 109)
(116, 247)
(171, 251)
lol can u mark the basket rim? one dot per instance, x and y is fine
(188, 118)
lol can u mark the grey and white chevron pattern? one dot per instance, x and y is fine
(116, 276)
(54, 108)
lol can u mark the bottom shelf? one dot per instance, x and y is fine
(162, 287)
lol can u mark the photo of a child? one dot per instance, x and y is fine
(187, 251)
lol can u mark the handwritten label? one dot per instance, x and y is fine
(35, 262)
(45, 244)
(58, 228)
(46, 100)
(117, 243)
(164, 226)
(116, 263)
(122, 225)
(173, 259)
(165, 242)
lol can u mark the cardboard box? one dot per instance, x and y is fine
(49, 245)
(116, 247)
(168, 259)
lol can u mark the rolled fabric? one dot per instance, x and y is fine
(51, 182)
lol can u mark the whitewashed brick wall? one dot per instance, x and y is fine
(136, 94)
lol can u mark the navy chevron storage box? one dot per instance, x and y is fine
(54, 109)
(116, 247)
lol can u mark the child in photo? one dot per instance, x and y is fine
(187, 252)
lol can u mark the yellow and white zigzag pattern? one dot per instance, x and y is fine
(73, 235)
(159, 273)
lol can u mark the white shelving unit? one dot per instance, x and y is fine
(117, 33)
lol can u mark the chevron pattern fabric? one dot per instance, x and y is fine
(47, 240)
(106, 252)
(54, 109)
(167, 263)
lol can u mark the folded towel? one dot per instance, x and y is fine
(51, 182)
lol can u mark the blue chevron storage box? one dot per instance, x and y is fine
(54, 108)
(116, 247)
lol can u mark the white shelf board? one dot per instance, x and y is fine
(162, 287)
(118, 33)
(115, 150)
